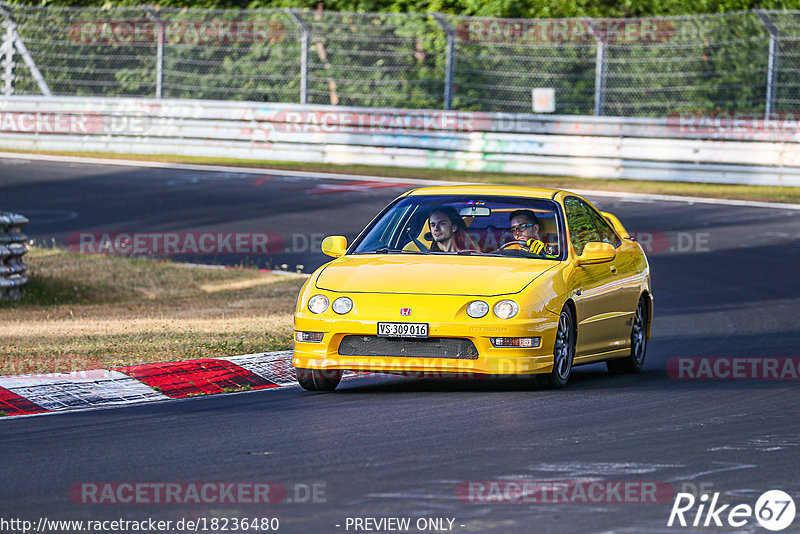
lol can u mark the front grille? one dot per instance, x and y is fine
(431, 347)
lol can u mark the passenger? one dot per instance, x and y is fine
(448, 231)
(525, 227)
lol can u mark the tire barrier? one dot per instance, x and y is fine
(12, 247)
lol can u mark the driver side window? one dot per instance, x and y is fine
(586, 225)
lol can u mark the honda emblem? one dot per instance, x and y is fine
(405, 311)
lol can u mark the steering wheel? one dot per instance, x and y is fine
(506, 245)
(526, 246)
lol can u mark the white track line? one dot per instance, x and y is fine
(365, 178)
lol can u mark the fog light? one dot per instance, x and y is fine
(308, 337)
(523, 342)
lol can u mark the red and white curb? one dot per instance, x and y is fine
(43, 393)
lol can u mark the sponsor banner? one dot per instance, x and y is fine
(733, 368)
(744, 123)
(517, 31)
(564, 492)
(176, 32)
(175, 243)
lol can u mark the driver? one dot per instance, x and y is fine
(525, 227)
(448, 231)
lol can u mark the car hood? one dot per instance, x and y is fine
(431, 274)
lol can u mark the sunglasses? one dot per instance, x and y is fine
(520, 227)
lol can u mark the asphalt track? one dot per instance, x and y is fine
(725, 283)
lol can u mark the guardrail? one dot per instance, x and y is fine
(12, 248)
(743, 149)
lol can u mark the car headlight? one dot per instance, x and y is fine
(318, 303)
(342, 305)
(506, 309)
(477, 309)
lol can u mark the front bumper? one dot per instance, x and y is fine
(490, 361)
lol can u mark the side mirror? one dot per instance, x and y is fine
(334, 245)
(596, 252)
(614, 221)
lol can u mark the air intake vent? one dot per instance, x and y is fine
(432, 347)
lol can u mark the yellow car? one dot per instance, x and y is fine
(477, 281)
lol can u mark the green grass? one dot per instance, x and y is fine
(97, 311)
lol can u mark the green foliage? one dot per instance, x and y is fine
(481, 8)
(392, 53)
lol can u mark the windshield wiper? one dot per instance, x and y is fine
(388, 250)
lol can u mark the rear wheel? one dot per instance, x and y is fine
(318, 379)
(563, 353)
(633, 363)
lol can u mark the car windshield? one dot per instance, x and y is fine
(467, 224)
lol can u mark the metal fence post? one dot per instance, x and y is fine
(450, 59)
(772, 64)
(11, 27)
(599, 74)
(304, 45)
(151, 11)
(7, 51)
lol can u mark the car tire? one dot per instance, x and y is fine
(563, 353)
(318, 379)
(635, 360)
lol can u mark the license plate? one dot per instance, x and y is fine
(402, 329)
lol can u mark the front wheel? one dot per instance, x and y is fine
(318, 379)
(563, 353)
(633, 363)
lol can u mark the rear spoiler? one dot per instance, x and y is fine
(616, 224)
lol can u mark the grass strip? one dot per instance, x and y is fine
(83, 311)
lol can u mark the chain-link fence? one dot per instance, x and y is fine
(631, 67)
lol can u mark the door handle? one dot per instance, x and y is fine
(614, 269)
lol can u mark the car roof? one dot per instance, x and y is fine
(504, 190)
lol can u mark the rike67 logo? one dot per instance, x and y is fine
(774, 510)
